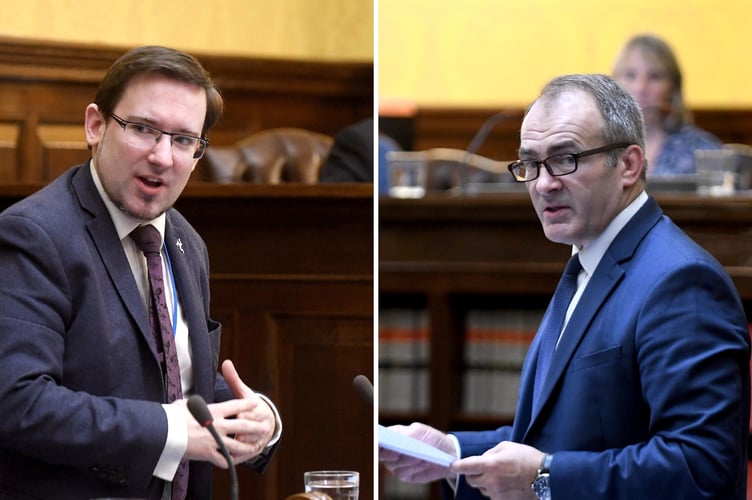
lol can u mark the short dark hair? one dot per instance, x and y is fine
(165, 61)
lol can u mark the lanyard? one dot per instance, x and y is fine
(174, 293)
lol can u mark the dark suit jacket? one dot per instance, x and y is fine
(80, 383)
(351, 156)
(648, 392)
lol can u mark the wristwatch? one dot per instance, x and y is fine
(540, 485)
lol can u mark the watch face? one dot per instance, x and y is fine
(540, 487)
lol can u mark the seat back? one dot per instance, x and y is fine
(448, 169)
(271, 156)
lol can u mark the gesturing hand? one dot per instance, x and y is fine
(245, 424)
(201, 444)
(260, 416)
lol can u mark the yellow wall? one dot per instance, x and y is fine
(326, 30)
(501, 52)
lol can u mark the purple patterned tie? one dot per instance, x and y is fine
(149, 242)
(551, 329)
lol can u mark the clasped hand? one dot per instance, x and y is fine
(245, 425)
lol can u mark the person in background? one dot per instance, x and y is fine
(94, 369)
(385, 146)
(649, 70)
(351, 156)
(636, 384)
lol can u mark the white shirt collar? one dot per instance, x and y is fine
(123, 222)
(591, 255)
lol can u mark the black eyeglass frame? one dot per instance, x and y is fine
(200, 149)
(575, 156)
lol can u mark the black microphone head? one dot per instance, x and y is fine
(199, 410)
(364, 388)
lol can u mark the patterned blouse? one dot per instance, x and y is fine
(677, 157)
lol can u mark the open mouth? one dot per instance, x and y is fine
(151, 181)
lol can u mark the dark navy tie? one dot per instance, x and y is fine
(551, 329)
(150, 243)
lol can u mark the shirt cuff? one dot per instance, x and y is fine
(277, 422)
(457, 453)
(175, 445)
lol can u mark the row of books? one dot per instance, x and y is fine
(403, 360)
(496, 342)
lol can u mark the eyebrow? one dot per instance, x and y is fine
(564, 147)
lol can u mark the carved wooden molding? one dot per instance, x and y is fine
(50, 61)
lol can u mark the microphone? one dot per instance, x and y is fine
(364, 388)
(478, 140)
(199, 410)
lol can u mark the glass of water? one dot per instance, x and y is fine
(338, 484)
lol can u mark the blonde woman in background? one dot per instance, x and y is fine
(649, 70)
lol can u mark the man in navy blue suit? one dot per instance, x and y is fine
(82, 387)
(647, 394)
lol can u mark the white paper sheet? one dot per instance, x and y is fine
(408, 446)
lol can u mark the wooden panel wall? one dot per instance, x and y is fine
(45, 87)
(292, 284)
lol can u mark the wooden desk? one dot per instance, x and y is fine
(292, 283)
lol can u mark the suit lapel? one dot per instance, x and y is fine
(107, 243)
(184, 259)
(606, 277)
(608, 274)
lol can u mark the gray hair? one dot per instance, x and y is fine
(622, 118)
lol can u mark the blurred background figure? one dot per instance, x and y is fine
(351, 156)
(649, 70)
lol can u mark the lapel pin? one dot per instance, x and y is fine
(179, 244)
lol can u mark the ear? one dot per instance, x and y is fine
(94, 125)
(634, 163)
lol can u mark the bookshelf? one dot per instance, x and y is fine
(479, 272)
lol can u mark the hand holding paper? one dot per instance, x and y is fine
(416, 453)
(406, 445)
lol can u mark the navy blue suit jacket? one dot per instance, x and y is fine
(648, 393)
(80, 384)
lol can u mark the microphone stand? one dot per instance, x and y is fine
(199, 410)
(477, 141)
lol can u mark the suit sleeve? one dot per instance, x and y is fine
(44, 418)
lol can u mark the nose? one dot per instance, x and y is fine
(545, 181)
(162, 150)
(638, 86)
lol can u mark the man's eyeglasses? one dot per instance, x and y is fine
(143, 136)
(557, 165)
